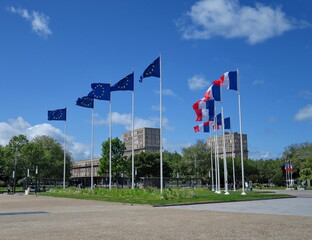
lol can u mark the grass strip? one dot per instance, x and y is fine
(153, 196)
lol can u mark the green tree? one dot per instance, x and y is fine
(300, 155)
(120, 163)
(195, 160)
(48, 155)
(174, 162)
(305, 174)
(42, 151)
(148, 165)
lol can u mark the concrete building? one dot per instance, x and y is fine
(145, 140)
(81, 171)
(232, 145)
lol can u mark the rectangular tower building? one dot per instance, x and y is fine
(145, 140)
(232, 145)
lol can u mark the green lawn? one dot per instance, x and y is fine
(152, 196)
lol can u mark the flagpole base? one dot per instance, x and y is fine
(226, 193)
(218, 192)
(243, 193)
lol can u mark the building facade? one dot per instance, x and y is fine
(82, 169)
(232, 145)
(145, 140)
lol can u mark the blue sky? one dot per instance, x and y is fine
(51, 51)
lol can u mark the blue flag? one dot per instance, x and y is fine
(124, 84)
(59, 114)
(86, 102)
(153, 70)
(100, 91)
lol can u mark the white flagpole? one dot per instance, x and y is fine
(224, 151)
(132, 185)
(64, 167)
(110, 142)
(241, 135)
(160, 136)
(218, 189)
(233, 161)
(212, 177)
(286, 174)
(291, 180)
(218, 164)
(92, 146)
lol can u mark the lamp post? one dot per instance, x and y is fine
(27, 178)
(14, 172)
(36, 179)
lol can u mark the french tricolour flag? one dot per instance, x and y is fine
(212, 93)
(227, 80)
(227, 122)
(204, 115)
(201, 104)
(202, 127)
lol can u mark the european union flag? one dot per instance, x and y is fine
(59, 114)
(86, 102)
(100, 91)
(124, 84)
(153, 70)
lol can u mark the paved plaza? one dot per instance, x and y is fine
(31, 217)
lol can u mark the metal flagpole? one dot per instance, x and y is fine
(110, 143)
(241, 134)
(160, 136)
(132, 185)
(218, 165)
(92, 146)
(285, 167)
(291, 180)
(212, 180)
(218, 190)
(224, 153)
(233, 163)
(64, 167)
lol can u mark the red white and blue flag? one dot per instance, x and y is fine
(204, 115)
(218, 125)
(213, 93)
(202, 127)
(227, 80)
(288, 167)
(201, 104)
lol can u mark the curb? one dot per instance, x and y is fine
(198, 203)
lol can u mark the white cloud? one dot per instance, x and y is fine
(255, 155)
(304, 113)
(229, 19)
(39, 21)
(175, 146)
(166, 92)
(197, 82)
(257, 82)
(306, 94)
(18, 126)
(157, 108)
(126, 120)
(271, 120)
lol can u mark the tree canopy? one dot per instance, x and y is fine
(43, 152)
